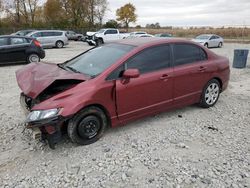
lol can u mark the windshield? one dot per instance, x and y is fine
(101, 31)
(96, 60)
(203, 37)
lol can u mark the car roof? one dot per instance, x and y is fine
(139, 42)
(15, 36)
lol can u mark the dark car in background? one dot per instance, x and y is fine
(17, 49)
(23, 32)
(167, 35)
(74, 36)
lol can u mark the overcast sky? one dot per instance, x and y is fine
(187, 12)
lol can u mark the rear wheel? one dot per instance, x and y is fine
(87, 126)
(210, 94)
(33, 58)
(59, 44)
(220, 45)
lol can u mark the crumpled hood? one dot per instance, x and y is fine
(36, 77)
(90, 33)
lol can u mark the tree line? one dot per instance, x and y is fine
(62, 14)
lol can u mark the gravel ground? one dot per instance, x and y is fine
(189, 147)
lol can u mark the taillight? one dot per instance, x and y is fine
(37, 43)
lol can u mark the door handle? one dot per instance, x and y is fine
(202, 69)
(164, 77)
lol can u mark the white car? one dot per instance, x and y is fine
(104, 35)
(209, 40)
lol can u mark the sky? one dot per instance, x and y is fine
(187, 12)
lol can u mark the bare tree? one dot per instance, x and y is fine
(101, 9)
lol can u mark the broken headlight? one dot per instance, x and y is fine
(42, 114)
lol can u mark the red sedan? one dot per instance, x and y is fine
(116, 83)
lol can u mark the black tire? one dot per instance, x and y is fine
(79, 38)
(59, 44)
(99, 42)
(210, 94)
(206, 45)
(220, 45)
(87, 126)
(33, 58)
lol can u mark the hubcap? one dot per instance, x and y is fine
(89, 127)
(212, 93)
(33, 58)
(59, 45)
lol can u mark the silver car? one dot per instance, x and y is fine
(209, 40)
(50, 38)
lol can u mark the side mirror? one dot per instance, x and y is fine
(131, 73)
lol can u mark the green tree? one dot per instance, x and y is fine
(111, 24)
(126, 14)
(54, 12)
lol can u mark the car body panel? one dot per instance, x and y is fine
(36, 77)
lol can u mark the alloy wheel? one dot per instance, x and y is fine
(212, 93)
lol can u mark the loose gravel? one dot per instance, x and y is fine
(188, 147)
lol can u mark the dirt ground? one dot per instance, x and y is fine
(189, 147)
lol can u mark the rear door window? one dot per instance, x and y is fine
(3, 41)
(38, 34)
(15, 41)
(59, 33)
(188, 53)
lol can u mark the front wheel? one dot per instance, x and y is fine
(87, 126)
(33, 58)
(210, 94)
(206, 45)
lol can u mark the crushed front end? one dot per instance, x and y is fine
(45, 124)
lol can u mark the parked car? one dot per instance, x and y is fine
(165, 35)
(105, 35)
(74, 36)
(119, 82)
(144, 35)
(136, 34)
(50, 38)
(209, 40)
(16, 49)
(23, 32)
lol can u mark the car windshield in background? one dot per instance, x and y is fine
(203, 37)
(95, 61)
(101, 31)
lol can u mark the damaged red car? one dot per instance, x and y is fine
(116, 83)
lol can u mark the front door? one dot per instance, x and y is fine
(151, 92)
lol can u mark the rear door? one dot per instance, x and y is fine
(17, 49)
(191, 73)
(4, 42)
(152, 91)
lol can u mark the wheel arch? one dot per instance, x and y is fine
(220, 81)
(101, 107)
